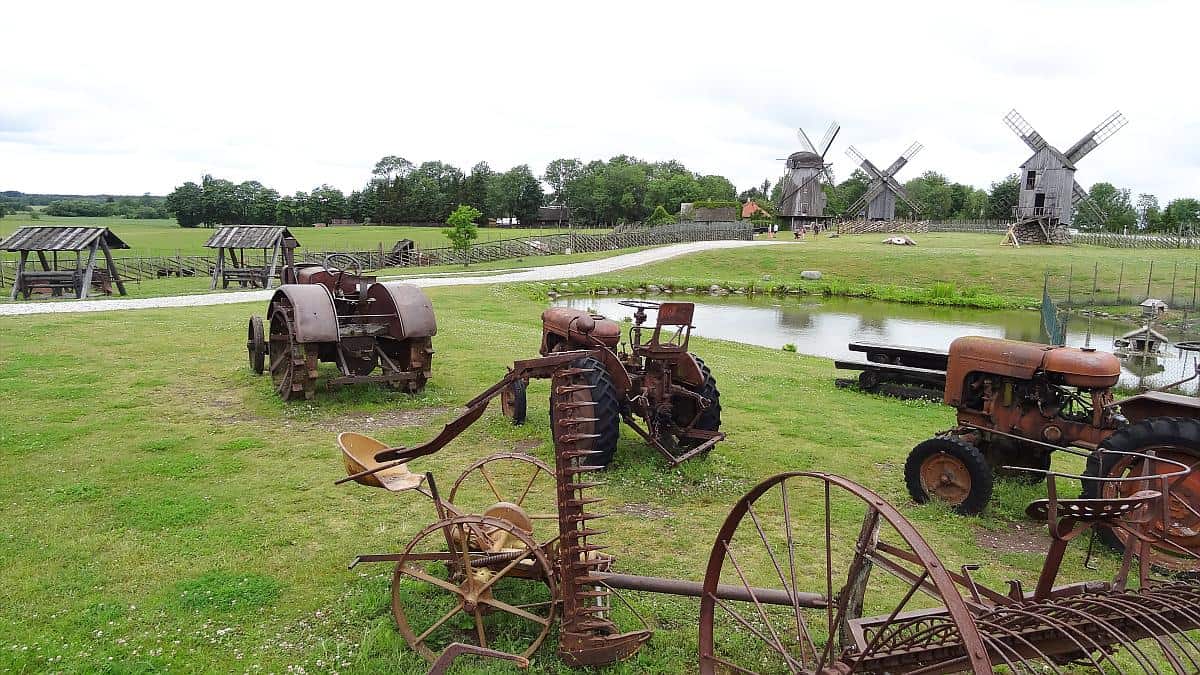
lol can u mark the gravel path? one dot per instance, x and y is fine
(547, 273)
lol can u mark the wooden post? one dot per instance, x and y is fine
(45, 263)
(112, 268)
(218, 268)
(86, 284)
(1120, 278)
(19, 280)
(274, 262)
(1070, 281)
(1195, 278)
(1149, 277)
(1174, 274)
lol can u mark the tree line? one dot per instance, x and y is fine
(621, 190)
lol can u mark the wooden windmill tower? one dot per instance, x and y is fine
(803, 199)
(1049, 192)
(879, 201)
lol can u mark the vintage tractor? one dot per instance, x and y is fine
(333, 313)
(657, 379)
(1018, 402)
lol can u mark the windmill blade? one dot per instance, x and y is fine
(799, 187)
(1025, 130)
(898, 190)
(904, 158)
(866, 165)
(827, 140)
(828, 174)
(804, 139)
(873, 191)
(1103, 131)
(1080, 196)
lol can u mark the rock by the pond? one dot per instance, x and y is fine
(653, 288)
(689, 289)
(714, 288)
(602, 291)
(899, 240)
(811, 275)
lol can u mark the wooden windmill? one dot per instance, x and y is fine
(1049, 192)
(803, 199)
(879, 201)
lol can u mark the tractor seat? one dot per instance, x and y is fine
(359, 452)
(1093, 510)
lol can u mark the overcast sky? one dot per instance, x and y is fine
(119, 97)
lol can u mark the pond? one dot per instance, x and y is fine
(824, 326)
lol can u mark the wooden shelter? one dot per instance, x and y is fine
(56, 275)
(275, 242)
(1049, 193)
(803, 199)
(879, 201)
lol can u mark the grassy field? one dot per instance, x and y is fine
(968, 260)
(163, 511)
(165, 237)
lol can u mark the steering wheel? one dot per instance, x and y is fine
(639, 304)
(351, 262)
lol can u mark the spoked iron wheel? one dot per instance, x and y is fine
(256, 344)
(1173, 439)
(512, 486)
(813, 554)
(292, 364)
(475, 580)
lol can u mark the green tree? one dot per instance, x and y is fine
(660, 217)
(1149, 215)
(559, 173)
(516, 193)
(186, 203)
(1112, 210)
(932, 193)
(1003, 197)
(1181, 215)
(462, 230)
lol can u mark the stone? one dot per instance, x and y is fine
(689, 289)
(602, 291)
(654, 288)
(811, 275)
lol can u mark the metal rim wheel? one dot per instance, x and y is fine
(950, 470)
(478, 593)
(291, 363)
(256, 345)
(501, 481)
(811, 555)
(1176, 439)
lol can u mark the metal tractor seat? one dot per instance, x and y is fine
(359, 453)
(1093, 510)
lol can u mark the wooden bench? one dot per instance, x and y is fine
(255, 277)
(53, 280)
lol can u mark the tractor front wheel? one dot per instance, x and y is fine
(1173, 438)
(950, 470)
(591, 391)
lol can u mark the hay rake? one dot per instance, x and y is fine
(810, 573)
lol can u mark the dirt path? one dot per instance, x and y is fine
(547, 273)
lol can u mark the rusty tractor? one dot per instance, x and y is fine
(1018, 402)
(657, 380)
(333, 313)
(809, 573)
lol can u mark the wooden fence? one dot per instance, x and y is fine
(138, 268)
(1115, 240)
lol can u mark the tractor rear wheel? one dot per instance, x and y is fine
(293, 365)
(683, 409)
(951, 470)
(597, 396)
(1173, 438)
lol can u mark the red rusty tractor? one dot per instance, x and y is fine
(657, 379)
(333, 313)
(1018, 402)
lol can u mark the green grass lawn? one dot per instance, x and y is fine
(163, 511)
(974, 263)
(165, 237)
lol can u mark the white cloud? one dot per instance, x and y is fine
(134, 97)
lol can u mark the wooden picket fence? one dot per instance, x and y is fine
(1116, 240)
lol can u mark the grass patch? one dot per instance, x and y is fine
(226, 591)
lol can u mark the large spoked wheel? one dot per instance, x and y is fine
(476, 580)
(256, 345)
(590, 390)
(1176, 439)
(684, 408)
(813, 573)
(950, 470)
(511, 486)
(292, 364)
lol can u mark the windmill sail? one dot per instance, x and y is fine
(1103, 131)
(1025, 130)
